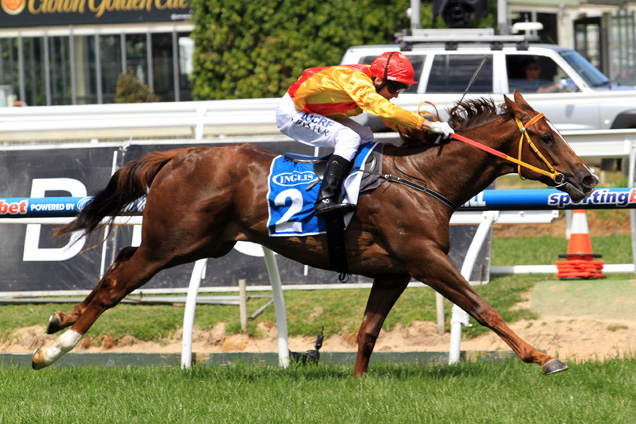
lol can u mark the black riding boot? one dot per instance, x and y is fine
(329, 197)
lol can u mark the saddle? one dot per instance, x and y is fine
(335, 225)
(372, 167)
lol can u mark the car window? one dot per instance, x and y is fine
(452, 73)
(416, 60)
(536, 74)
(593, 76)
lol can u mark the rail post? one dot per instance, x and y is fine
(243, 304)
(188, 315)
(279, 305)
(632, 212)
(459, 317)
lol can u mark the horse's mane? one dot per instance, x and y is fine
(464, 115)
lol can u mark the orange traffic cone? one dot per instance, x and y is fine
(579, 263)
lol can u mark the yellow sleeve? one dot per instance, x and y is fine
(390, 124)
(363, 92)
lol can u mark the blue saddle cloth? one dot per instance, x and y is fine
(293, 191)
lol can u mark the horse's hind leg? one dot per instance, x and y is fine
(383, 296)
(59, 320)
(125, 275)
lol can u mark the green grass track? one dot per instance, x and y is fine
(510, 392)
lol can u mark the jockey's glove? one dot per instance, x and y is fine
(441, 128)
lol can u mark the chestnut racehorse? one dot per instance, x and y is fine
(202, 200)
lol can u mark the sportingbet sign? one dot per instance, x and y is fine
(545, 199)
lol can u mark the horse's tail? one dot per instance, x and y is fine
(126, 185)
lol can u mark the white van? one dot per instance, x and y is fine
(570, 91)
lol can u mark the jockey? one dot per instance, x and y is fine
(316, 110)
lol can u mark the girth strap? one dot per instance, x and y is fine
(336, 245)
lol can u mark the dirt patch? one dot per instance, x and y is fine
(579, 320)
(570, 338)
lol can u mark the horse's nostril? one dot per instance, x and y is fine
(590, 181)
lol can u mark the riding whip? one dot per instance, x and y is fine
(471, 82)
(468, 87)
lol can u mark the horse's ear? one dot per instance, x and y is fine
(513, 107)
(519, 98)
(509, 102)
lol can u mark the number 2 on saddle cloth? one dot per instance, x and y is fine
(293, 190)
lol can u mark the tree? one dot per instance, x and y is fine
(251, 49)
(258, 48)
(131, 90)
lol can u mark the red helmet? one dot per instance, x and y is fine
(393, 66)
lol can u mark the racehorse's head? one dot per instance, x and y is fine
(543, 147)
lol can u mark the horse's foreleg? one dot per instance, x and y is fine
(122, 278)
(383, 296)
(444, 277)
(59, 320)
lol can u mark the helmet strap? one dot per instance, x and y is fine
(379, 87)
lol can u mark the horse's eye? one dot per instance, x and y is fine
(547, 138)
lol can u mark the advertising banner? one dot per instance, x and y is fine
(33, 13)
(33, 260)
(542, 199)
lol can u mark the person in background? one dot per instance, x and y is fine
(317, 110)
(532, 72)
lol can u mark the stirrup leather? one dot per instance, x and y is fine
(329, 196)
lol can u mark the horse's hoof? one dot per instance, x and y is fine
(554, 366)
(55, 324)
(38, 360)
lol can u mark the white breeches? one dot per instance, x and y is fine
(343, 135)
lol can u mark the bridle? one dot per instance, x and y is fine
(556, 176)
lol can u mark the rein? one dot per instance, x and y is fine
(556, 176)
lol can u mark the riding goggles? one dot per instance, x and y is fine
(395, 87)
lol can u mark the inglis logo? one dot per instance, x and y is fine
(294, 178)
